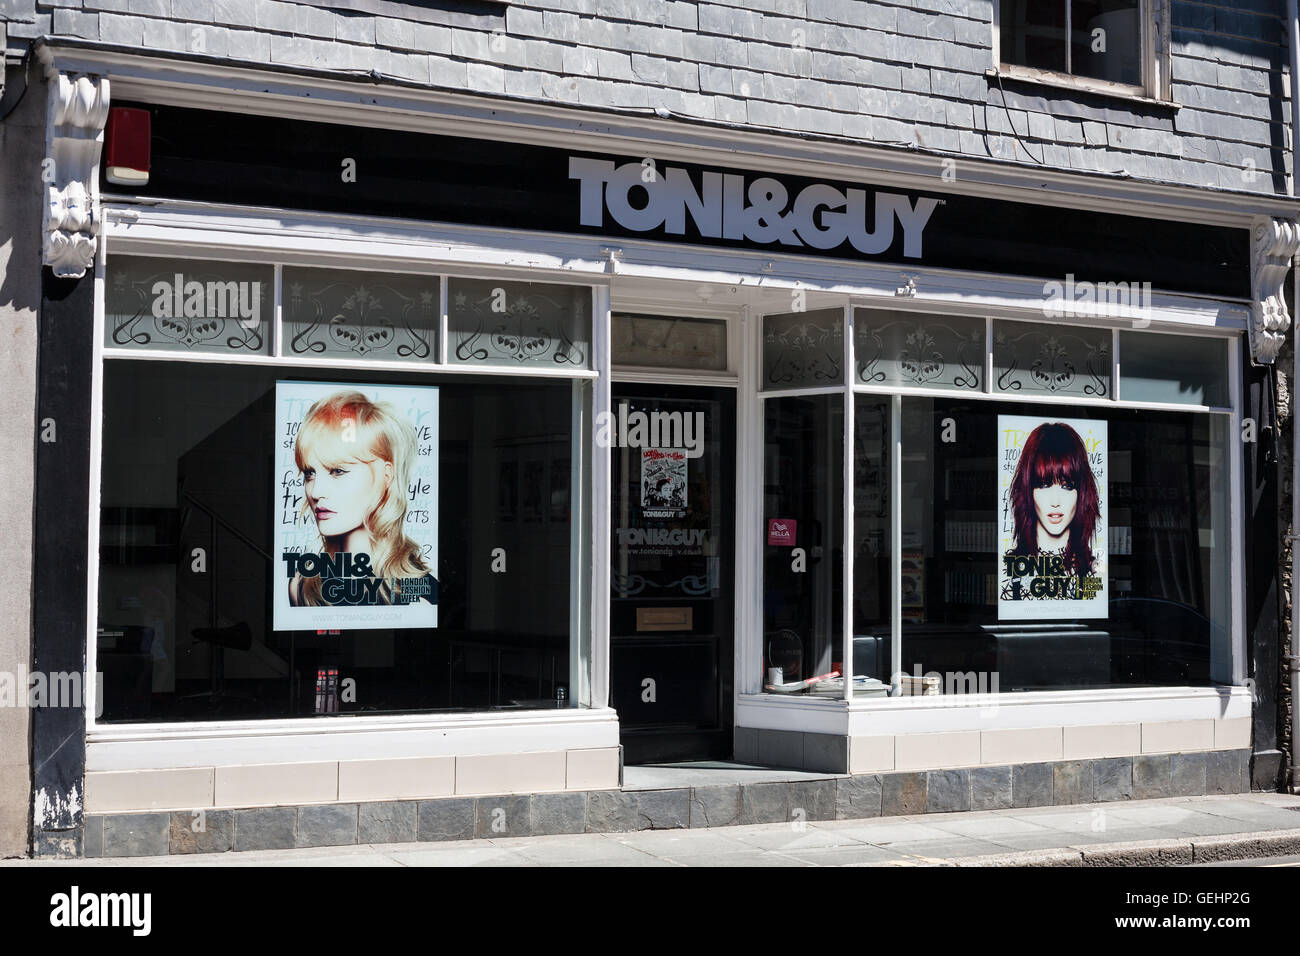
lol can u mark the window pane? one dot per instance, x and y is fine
(1161, 478)
(1106, 40)
(803, 495)
(1186, 369)
(669, 342)
(191, 497)
(188, 305)
(803, 349)
(917, 350)
(492, 322)
(1032, 33)
(1032, 358)
(371, 315)
(872, 560)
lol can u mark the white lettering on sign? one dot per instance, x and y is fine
(726, 206)
(680, 537)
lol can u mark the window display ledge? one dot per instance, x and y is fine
(165, 746)
(947, 712)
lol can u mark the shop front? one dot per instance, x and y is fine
(441, 455)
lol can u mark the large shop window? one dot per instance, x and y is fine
(1056, 546)
(1033, 543)
(281, 541)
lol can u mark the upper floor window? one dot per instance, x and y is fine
(1110, 45)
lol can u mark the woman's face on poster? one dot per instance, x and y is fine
(1055, 505)
(342, 495)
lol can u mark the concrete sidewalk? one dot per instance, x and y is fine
(1174, 831)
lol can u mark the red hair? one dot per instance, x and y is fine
(1054, 455)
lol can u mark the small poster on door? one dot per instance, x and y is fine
(663, 483)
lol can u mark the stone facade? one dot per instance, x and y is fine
(619, 811)
(911, 75)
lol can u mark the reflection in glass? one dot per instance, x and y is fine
(872, 558)
(188, 470)
(1033, 33)
(1181, 369)
(668, 342)
(1106, 40)
(1167, 613)
(671, 573)
(803, 495)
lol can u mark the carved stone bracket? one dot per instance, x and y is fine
(1273, 242)
(74, 138)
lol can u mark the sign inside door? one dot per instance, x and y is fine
(663, 483)
(781, 532)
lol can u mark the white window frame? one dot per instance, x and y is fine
(157, 744)
(1068, 706)
(1154, 60)
(165, 227)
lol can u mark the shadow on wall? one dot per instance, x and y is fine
(22, 143)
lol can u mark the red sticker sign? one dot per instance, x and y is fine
(781, 532)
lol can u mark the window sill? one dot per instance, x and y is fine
(1074, 84)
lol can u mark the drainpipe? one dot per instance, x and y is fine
(1293, 25)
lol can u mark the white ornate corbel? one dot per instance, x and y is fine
(1272, 244)
(74, 138)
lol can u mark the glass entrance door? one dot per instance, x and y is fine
(672, 575)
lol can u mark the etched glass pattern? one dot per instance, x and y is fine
(917, 350)
(803, 349)
(519, 323)
(1042, 359)
(372, 315)
(187, 305)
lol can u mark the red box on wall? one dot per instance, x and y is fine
(126, 146)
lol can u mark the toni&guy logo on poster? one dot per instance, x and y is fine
(629, 429)
(178, 299)
(734, 206)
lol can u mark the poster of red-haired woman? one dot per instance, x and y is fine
(1052, 530)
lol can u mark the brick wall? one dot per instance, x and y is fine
(908, 73)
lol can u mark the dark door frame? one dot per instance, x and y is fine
(668, 743)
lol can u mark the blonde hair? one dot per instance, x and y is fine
(378, 433)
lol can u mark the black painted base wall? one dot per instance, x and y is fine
(64, 363)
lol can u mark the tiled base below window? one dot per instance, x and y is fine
(613, 811)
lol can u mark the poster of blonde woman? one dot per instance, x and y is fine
(1052, 518)
(356, 538)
